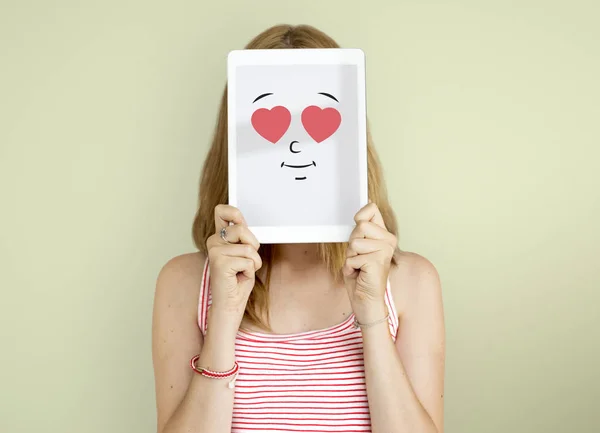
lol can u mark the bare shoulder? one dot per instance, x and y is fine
(413, 279)
(185, 266)
(181, 276)
(178, 286)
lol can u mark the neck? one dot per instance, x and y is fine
(297, 256)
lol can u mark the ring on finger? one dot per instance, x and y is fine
(224, 235)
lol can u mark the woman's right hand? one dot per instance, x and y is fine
(233, 262)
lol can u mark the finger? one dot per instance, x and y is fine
(240, 234)
(353, 265)
(370, 230)
(370, 213)
(213, 241)
(241, 250)
(368, 246)
(225, 214)
(236, 265)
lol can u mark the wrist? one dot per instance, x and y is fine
(216, 354)
(375, 337)
(368, 312)
(218, 349)
(223, 323)
(223, 318)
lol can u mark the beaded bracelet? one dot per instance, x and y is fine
(216, 374)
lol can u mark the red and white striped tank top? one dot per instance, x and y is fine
(306, 382)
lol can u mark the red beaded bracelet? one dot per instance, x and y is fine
(216, 374)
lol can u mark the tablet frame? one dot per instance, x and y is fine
(312, 56)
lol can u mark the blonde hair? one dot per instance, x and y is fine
(214, 189)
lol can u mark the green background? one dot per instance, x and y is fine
(487, 119)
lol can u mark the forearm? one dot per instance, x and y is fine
(393, 405)
(208, 404)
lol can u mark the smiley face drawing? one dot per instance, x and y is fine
(296, 150)
(319, 123)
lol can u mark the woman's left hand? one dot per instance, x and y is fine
(368, 260)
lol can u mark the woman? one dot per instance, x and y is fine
(308, 338)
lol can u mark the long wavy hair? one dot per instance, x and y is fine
(214, 189)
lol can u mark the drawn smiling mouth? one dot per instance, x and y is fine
(283, 164)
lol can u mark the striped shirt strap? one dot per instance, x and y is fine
(204, 300)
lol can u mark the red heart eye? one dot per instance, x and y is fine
(271, 124)
(321, 123)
